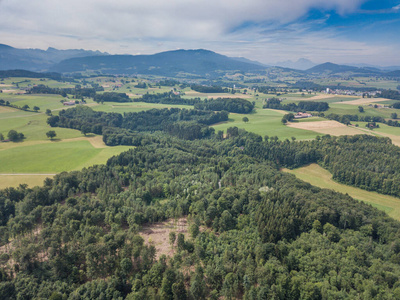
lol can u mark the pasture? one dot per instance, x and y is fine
(265, 122)
(318, 176)
(54, 156)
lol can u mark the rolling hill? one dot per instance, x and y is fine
(35, 59)
(197, 62)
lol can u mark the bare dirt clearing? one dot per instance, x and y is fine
(157, 234)
(328, 127)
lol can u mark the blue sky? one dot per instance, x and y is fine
(340, 31)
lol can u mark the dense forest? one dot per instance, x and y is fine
(346, 119)
(77, 91)
(167, 98)
(390, 94)
(275, 103)
(189, 124)
(255, 232)
(208, 89)
(234, 105)
(112, 97)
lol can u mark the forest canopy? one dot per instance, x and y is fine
(260, 233)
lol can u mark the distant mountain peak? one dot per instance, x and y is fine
(300, 64)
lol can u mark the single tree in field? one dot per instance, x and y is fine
(361, 109)
(25, 107)
(36, 108)
(394, 115)
(245, 119)
(51, 134)
(85, 129)
(15, 136)
(48, 112)
(172, 238)
(1, 137)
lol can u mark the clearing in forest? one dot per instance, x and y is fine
(318, 176)
(157, 234)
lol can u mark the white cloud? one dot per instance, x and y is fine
(137, 26)
(152, 18)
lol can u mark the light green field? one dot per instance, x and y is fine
(42, 101)
(133, 106)
(32, 125)
(54, 157)
(265, 122)
(322, 178)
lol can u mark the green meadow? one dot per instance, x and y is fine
(318, 176)
(265, 122)
(54, 157)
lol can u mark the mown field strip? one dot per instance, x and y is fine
(318, 176)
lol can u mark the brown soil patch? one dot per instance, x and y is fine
(157, 234)
(362, 101)
(328, 127)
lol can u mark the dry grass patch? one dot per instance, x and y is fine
(157, 234)
(5, 109)
(319, 97)
(362, 101)
(328, 127)
(14, 180)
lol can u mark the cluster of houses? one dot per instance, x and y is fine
(71, 103)
(352, 93)
(301, 115)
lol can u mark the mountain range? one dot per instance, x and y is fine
(300, 64)
(197, 63)
(37, 59)
(171, 63)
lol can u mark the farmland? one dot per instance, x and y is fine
(320, 177)
(71, 150)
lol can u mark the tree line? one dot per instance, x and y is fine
(276, 103)
(235, 105)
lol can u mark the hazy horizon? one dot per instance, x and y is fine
(337, 31)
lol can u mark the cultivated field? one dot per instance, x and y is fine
(327, 127)
(364, 101)
(316, 175)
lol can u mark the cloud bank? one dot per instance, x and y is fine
(242, 28)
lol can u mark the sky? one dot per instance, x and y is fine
(339, 31)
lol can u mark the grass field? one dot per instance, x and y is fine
(54, 157)
(266, 122)
(320, 177)
(133, 106)
(32, 125)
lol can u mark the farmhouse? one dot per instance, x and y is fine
(69, 103)
(301, 115)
